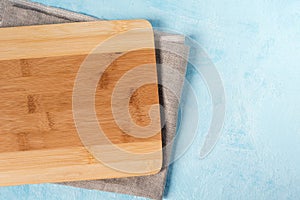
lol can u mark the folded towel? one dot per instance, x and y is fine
(22, 13)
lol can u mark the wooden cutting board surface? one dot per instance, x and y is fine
(48, 132)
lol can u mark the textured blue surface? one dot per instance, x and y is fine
(255, 45)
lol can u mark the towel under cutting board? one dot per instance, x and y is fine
(24, 13)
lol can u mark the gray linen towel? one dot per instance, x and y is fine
(22, 13)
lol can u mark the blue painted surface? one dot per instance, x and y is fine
(255, 45)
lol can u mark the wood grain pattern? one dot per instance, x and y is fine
(39, 141)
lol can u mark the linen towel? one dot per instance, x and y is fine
(24, 13)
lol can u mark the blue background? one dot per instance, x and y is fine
(255, 46)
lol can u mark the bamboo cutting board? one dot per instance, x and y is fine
(78, 101)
